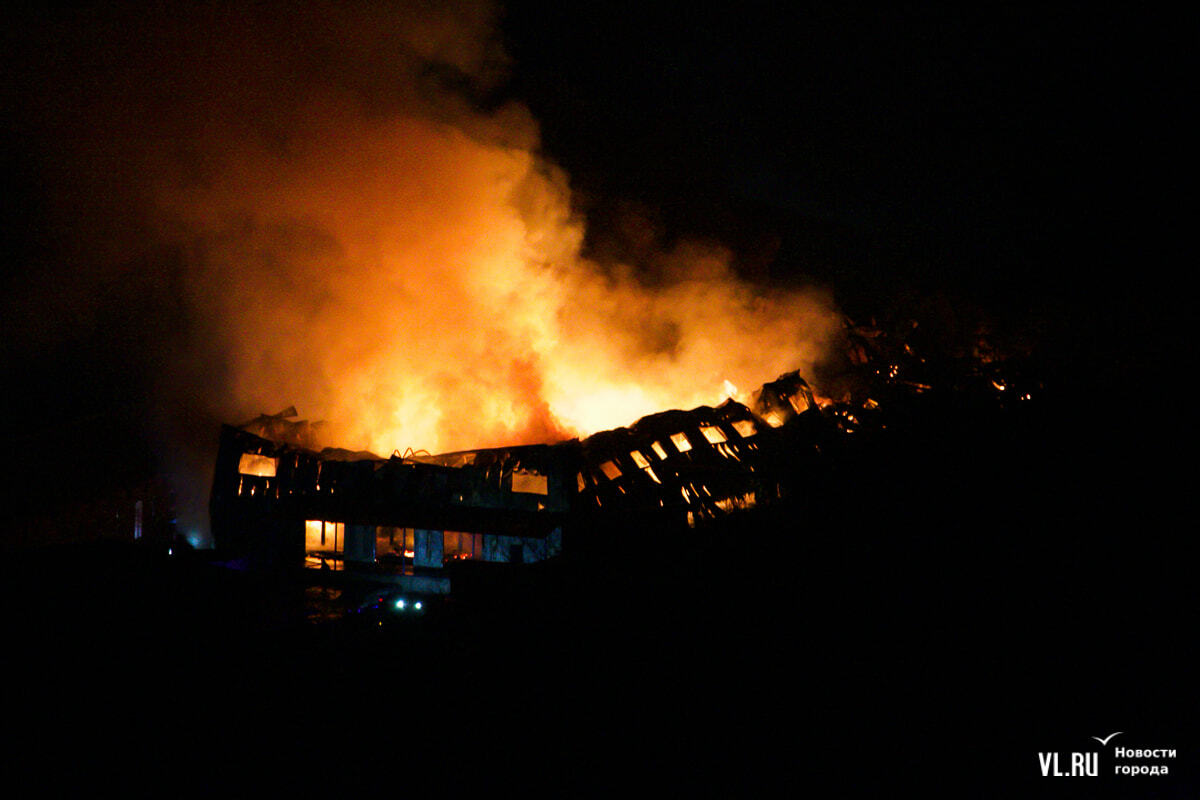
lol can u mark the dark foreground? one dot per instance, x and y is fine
(949, 602)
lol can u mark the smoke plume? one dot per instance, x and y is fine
(348, 218)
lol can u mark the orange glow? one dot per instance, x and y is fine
(745, 428)
(799, 402)
(417, 280)
(323, 536)
(681, 442)
(263, 466)
(530, 482)
(736, 502)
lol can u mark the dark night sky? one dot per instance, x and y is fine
(1000, 152)
(968, 147)
(1025, 160)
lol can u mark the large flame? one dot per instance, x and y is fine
(421, 287)
(261, 209)
(328, 220)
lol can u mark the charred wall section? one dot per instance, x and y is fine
(677, 470)
(267, 496)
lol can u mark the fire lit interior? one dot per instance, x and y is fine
(421, 511)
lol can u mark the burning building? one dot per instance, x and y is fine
(277, 500)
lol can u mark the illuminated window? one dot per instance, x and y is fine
(745, 428)
(461, 546)
(581, 481)
(644, 463)
(610, 470)
(252, 464)
(529, 482)
(393, 543)
(681, 442)
(659, 450)
(324, 537)
(712, 434)
(799, 402)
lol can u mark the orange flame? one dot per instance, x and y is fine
(410, 269)
(420, 287)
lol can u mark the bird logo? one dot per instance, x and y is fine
(1106, 739)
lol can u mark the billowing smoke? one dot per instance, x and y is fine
(352, 224)
(420, 287)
